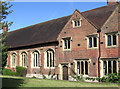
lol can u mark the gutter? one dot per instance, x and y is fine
(99, 31)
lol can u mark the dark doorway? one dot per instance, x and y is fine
(65, 73)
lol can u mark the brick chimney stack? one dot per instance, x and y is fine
(5, 29)
(112, 2)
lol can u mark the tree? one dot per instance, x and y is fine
(4, 12)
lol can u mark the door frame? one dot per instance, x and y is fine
(61, 70)
(66, 73)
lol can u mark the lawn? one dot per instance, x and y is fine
(9, 81)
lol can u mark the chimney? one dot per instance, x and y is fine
(112, 2)
(5, 29)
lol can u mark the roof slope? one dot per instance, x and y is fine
(37, 34)
(48, 31)
(99, 16)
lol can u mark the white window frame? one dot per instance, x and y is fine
(33, 60)
(24, 54)
(83, 60)
(63, 43)
(15, 64)
(117, 68)
(45, 58)
(92, 41)
(106, 40)
(78, 19)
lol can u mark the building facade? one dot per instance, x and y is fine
(74, 42)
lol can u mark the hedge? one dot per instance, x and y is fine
(9, 72)
(21, 71)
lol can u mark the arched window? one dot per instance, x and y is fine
(50, 61)
(14, 60)
(36, 59)
(24, 59)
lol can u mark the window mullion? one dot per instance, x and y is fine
(92, 42)
(80, 67)
(49, 58)
(111, 40)
(107, 66)
(111, 66)
(67, 43)
(84, 67)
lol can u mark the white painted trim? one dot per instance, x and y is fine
(63, 43)
(45, 59)
(106, 41)
(11, 59)
(21, 58)
(39, 56)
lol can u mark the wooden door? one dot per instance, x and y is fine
(65, 73)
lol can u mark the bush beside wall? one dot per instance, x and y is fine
(112, 78)
(9, 72)
(21, 71)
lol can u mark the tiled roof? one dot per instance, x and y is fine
(99, 16)
(48, 31)
(36, 34)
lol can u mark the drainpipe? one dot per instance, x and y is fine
(98, 31)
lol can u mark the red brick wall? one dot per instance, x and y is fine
(77, 52)
(78, 37)
(112, 26)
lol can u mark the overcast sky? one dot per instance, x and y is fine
(30, 13)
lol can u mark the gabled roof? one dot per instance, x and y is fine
(99, 16)
(48, 31)
(37, 34)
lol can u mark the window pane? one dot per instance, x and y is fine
(82, 67)
(24, 60)
(68, 43)
(105, 68)
(75, 23)
(53, 58)
(114, 40)
(95, 41)
(50, 60)
(36, 60)
(109, 40)
(90, 42)
(78, 67)
(86, 67)
(65, 42)
(78, 23)
(14, 60)
(109, 67)
(114, 67)
(47, 59)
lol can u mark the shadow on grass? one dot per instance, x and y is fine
(11, 82)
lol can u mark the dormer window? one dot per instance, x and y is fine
(76, 22)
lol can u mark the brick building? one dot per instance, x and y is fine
(74, 42)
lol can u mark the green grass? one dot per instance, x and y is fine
(10, 81)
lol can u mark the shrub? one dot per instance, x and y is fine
(21, 71)
(112, 78)
(49, 74)
(33, 77)
(52, 75)
(76, 76)
(103, 79)
(44, 77)
(9, 72)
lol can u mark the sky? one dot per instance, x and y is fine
(30, 13)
